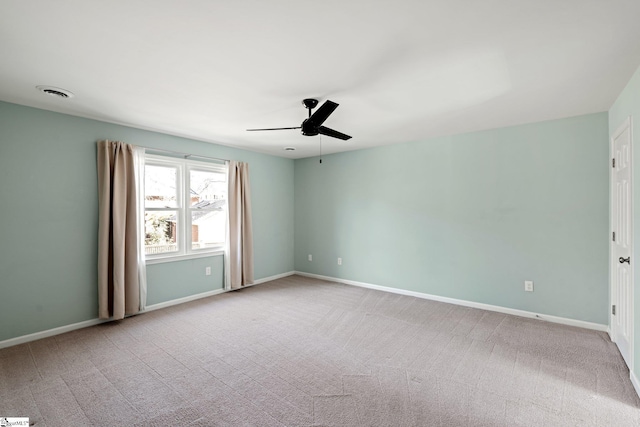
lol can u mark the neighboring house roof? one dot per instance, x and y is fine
(207, 207)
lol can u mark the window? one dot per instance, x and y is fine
(185, 207)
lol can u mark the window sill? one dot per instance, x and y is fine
(173, 258)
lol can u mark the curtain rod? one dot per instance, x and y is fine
(185, 155)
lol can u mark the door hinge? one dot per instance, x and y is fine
(613, 310)
(613, 162)
(614, 236)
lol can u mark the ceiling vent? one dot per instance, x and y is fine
(55, 91)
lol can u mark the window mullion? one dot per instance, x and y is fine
(187, 210)
(183, 228)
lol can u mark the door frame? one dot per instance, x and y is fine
(627, 123)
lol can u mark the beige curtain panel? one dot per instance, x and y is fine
(118, 249)
(240, 243)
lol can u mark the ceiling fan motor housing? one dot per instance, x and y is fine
(308, 129)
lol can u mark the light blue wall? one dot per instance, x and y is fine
(469, 216)
(628, 104)
(172, 280)
(48, 218)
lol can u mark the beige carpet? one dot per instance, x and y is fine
(303, 352)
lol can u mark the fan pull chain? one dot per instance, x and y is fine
(320, 148)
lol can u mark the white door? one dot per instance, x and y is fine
(621, 249)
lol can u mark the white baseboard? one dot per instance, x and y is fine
(212, 293)
(50, 332)
(482, 306)
(182, 300)
(634, 381)
(85, 324)
(270, 278)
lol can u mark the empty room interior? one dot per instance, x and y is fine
(286, 213)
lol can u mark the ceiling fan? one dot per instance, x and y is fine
(313, 124)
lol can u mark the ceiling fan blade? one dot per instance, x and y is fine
(333, 133)
(297, 127)
(322, 113)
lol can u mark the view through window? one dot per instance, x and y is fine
(185, 207)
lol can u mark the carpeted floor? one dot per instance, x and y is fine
(304, 352)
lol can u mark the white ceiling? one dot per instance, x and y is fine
(401, 70)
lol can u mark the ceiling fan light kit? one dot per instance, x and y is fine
(312, 125)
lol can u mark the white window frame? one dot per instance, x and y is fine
(183, 210)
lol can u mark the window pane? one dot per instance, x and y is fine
(208, 189)
(160, 187)
(160, 232)
(207, 228)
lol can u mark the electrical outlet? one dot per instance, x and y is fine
(528, 286)
(207, 271)
(310, 257)
(339, 261)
